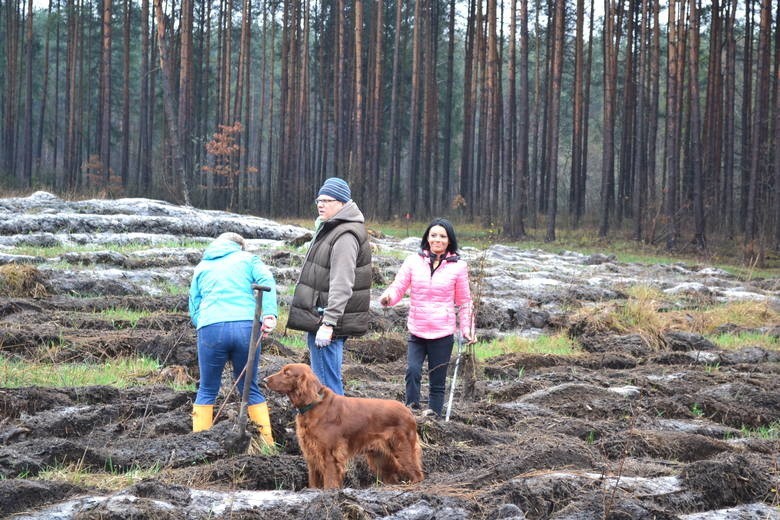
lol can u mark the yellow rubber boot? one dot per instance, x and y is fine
(202, 417)
(258, 413)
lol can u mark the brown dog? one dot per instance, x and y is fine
(332, 429)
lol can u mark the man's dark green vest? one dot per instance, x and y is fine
(311, 293)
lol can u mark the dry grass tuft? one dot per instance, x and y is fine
(746, 314)
(108, 480)
(257, 446)
(21, 281)
(644, 313)
(639, 314)
(175, 375)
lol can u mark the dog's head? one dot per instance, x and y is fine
(297, 381)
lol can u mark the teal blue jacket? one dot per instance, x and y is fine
(221, 288)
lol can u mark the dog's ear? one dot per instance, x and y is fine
(311, 383)
(306, 388)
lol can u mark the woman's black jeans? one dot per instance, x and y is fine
(438, 351)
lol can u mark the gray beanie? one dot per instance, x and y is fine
(336, 188)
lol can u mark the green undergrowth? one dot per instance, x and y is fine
(556, 344)
(124, 315)
(733, 341)
(130, 247)
(770, 431)
(119, 373)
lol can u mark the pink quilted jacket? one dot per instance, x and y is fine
(434, 297)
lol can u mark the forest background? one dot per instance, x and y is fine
(659, 121)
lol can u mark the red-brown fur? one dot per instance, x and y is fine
(338, 428)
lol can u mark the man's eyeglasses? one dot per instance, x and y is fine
(324, 201)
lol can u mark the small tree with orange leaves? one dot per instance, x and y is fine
(96, 179)
(226, 160)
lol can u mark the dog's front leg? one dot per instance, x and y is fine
(333, 471)
(315, 476)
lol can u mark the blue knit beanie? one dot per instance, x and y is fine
(336, 188)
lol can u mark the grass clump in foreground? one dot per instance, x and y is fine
(110, 480)
(119, 373)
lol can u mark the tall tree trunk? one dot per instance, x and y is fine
(447, 130)
(699, 237)
(759, 153)
(339, 95)
(306, 177)
(628, 138)
(493, 112)
(639, 195)
(44, 91)
(469, 102)
(262, 177)
(747, 113)
(726, 201)
(24, 176)
(179, 175)
(583, 178)
(578, 121)
(104, 121)
(775, 200)
(415, 110)
(185, 106)
(608, 147)
(427, 195)
(521, 181)
(543, 121)
(391, 182)
(555, 101)
(712, 131)
(510, 174)
(124, 167)
(56, 125)
(143, 166)
(357, 166)
(272, 130)
(12, 77)
(244, 105)
(672, 143)
(653, 110)
(73, 99)
(374, 163)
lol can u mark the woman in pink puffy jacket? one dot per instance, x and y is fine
(438, 282)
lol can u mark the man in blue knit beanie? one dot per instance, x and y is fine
(333, 292)
(337, 189)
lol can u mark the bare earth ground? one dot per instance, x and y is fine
(625, 431)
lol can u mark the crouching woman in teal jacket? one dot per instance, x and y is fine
(222, 308)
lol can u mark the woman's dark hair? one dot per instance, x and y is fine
(452, 247)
